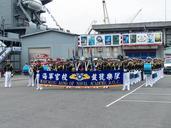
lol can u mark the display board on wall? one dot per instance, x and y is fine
(99, 40)
(142, 38)
(120, 39)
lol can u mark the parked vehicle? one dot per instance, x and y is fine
(167, 65)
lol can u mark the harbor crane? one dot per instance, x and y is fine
(53, 18)
(106, 19)
(132, 20)
(89, 30)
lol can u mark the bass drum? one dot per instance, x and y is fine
(147, 68)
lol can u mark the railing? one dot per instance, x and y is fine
(5, 53)
(2, 48)
(2, 44)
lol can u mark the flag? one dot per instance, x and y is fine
(91, 56)
(82, 51)
(76, 52)
(73, 54)
(91, 53)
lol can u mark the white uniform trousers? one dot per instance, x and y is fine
(153, 80)
(139, 76)
(158, 75)
(149, 80)
(132, 78)
(31, 80)
(126, 81)
(162, 73)
(135, 79)
(37, 82)
(8, 79)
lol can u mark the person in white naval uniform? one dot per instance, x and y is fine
(31, 77)
(8, 69)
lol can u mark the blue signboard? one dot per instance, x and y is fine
(108, 40)
(91, 78)
(126, 39)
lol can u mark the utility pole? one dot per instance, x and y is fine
(106, 16)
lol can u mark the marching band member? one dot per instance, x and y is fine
(148, 73)
(28, 71)
(8, 74)
(126, 78)
(37, 79)
(31, 77)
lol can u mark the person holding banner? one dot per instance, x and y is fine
(37, 76)
(37, 81)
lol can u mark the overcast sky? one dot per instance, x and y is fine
(77, 15)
